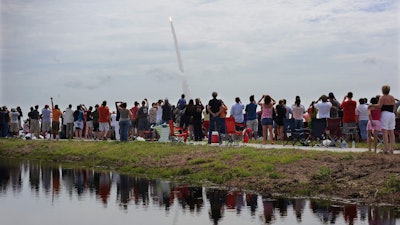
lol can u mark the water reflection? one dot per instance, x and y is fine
(219, 206)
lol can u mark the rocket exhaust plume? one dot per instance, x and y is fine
(178, 53)
(185, 85)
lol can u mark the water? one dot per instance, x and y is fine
(39, 193)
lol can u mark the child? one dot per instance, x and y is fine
(374, 124)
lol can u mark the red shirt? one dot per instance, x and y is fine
(104, 114)
(134, 111)
(349, 111)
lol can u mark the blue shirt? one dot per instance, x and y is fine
(251, 110)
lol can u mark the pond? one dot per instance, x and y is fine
(40, 193)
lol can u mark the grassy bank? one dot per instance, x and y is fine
(366, 176)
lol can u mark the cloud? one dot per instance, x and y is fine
(127, 46)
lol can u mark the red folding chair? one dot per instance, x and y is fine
(232, 135)
(176, 134)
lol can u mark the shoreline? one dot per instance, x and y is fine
(269, 170)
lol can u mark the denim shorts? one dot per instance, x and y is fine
(267, 121)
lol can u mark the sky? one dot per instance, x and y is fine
(84, 52)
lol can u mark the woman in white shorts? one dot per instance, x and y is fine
(387, 104)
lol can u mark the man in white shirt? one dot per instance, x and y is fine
(237, 112)
(324, 107)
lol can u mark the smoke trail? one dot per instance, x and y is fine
(185, 86)
(178, 53)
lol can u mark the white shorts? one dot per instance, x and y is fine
(89, 124)
(104, 126)
(388, 120)
(78, 125)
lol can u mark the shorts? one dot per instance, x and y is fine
(14, 127)
(89, 124)
(349, 128)
(55, 126)
(78, 125)
(267, 121)
(104, 126)
(34, 125)
(388, 120)
(376, 125)
(46, 126)
(95, 126)
(253, 125)
(134, 123)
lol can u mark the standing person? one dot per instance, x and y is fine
(266, 117)
(34, 117)
(374, 124)
(180, 110)
(214, 109)
(14, 129)
(324, 107)
(288, 117)
(104, 120)
(46, 121)
(349, 114)
(190, 109)
(153, 114)
(4, 122)
(89, 123)
(252, 118)
(387, 104)
(19, 110)
(334, 112)
(298, 111)
(95, 115)
(166, 112)
(114, 126)
(143, 122)
(197, 123)
(69, 121)
(280, 118)
(222, 117)
(181, 102)
(124, 121)
(159, 112)
(78, 121)
(237, 113)
(134, 122)
(56, 114)
(362, 118)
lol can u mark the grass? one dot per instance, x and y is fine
(199, 164)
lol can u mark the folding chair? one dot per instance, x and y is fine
(176, 134)
(232, 135)
(317, 132)
(293, 134)
(333, 132)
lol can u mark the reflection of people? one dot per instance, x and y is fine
(217, 200)
(298, 208)
(268, 211)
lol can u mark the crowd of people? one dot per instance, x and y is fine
(270, 122)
